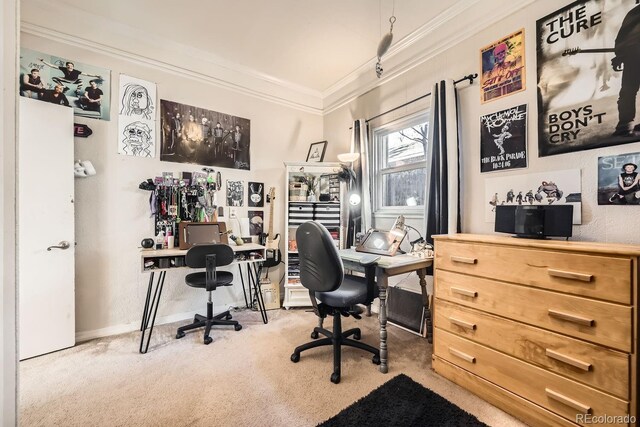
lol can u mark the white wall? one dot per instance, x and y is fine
(112, 214)
(8, 64)
(599, 223)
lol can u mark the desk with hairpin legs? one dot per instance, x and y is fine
(388, 266)
(167, 259)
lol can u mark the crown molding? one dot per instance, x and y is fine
(354, 85)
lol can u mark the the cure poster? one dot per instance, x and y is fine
(503, 139)
(588, 74)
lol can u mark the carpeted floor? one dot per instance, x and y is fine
(243, 378)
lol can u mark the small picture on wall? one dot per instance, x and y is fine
(544, 188)
(503, 139)
(235, 193)
(256, 221)
(619, 179)
(502, 64)
(256, 195)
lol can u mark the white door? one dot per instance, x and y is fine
(46, 288)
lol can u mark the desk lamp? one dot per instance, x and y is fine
(401, 228)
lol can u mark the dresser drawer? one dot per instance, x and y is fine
(596, 321)
(601, 277)
(560, 395)
(594, 365)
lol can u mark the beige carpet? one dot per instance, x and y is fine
(243, 378)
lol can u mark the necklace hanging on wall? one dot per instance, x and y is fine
(256, 198)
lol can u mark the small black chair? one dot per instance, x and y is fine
(210, 257)
(322, 272)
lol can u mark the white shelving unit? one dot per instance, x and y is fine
(327, 208)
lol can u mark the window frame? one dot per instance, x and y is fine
(378, 172)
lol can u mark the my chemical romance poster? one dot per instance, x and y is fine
(503, 139)
(588, 66)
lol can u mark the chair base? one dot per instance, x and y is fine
(208, 321)
(337, 339)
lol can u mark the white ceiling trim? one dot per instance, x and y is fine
(351, 87)
(311, 104)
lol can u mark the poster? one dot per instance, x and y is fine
(580, 76)
(235, 193)
(544, 188)
(137, 118)
(255, 194)
(67, 82)
(619, 179)
(503, 139)
(204, 137)
(256, 221)
(502, 64)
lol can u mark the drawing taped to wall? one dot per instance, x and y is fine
(544, 188)
(503, 139)
(619, 179)
(196, 135)
(136, 119)
(588, 68)
(502, 65)
(67, 82)
(235, 193)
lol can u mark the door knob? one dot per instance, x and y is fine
(62, 245)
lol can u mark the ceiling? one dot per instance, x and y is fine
(313, 44)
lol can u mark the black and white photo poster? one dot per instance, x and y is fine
(235, 193)
(503, 139)
(588, 75)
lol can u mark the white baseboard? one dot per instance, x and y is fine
(135, 326)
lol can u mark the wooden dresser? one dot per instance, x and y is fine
(545, 330)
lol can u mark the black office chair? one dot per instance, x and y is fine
(321, 272)
(210, 257)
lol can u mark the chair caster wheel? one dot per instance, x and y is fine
(357, 336)
(335, 378)
(237, 327)
(208, 340)
(314, 335)
(295, 358)
(375, 359)
(228, 317)
(179, 335)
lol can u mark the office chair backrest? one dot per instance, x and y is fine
(196, 255)
(321, 268)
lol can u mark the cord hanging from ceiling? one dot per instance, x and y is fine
(384, 44)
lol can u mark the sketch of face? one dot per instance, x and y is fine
(137, 139)
(139, 98)
(136, 101)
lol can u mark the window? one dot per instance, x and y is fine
(399, 166)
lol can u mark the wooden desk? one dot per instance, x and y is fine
(251, 255)
(386, 267)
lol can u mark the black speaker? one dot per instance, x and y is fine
(405, 309)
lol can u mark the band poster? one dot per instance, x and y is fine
(204, 137)
(66, 82)
(503, 139)
(502, 65)
(137, 117)
(588, 66)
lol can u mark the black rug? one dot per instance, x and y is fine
(402, 402)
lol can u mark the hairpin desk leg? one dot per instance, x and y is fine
(257, 269)
(153, 307)
(146, 302)
(247, 302)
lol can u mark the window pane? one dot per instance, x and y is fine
(405, 188)
(406, 146)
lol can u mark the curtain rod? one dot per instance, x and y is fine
(470, 77)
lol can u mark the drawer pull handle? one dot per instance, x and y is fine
(463, 260)
(569, 360)
(464, 292)
(570, 275)
(462, 323)
(568, 401)
(461, 355)
(572, 318)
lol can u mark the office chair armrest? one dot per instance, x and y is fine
(211, 276)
